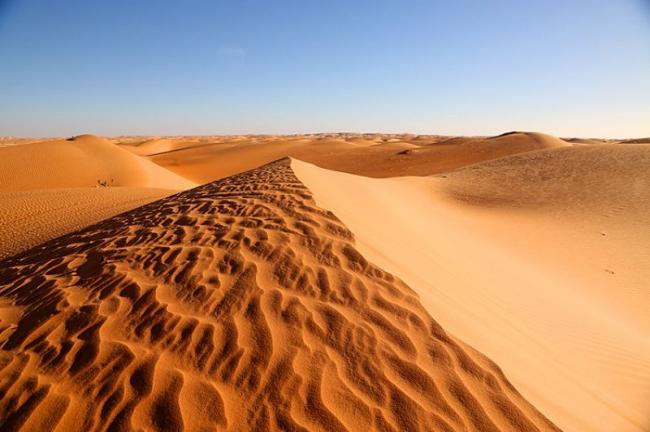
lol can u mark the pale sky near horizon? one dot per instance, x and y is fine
(565, 67)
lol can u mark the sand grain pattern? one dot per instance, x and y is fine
(538, 260)
(237, 305)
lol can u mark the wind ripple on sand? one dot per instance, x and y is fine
(238, 305)
(28, 218)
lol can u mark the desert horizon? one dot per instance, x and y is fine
(366, 216)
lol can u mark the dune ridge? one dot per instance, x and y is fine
(538, 260)
(237, 305)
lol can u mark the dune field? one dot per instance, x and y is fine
(51, 187)
(325, 282)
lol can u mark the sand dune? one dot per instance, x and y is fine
(538, 260)
(368, 155)
(586, 141)
(28, 218)
(50, 188)
(245, 304)
(152, 146)
(32, 167)
(636, 141)
(7, 141)
(84, 161)
(238, 305)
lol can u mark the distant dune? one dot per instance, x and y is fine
(368, 155)
(50, 188)
(636, 141)
(149, 147)
(539, 260)
(84, 161)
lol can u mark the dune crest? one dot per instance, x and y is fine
(538, 260)
(238, 305)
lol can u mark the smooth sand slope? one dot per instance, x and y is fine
(84, 161)
(153, 146)
(539, 261)
(238, 305)
(207, 159)
(54, 187)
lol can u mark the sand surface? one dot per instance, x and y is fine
(368, 284)
(238, 305)
(540, 261)
(84, 161)
(207, 159)
(52, 187)
(28, 218)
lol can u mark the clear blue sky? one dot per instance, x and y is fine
(113, 67)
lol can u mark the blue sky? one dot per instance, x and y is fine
(566, 67)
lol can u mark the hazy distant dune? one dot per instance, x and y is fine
(84, 161)
(374, 156)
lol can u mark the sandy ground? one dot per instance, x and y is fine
(85, 161)
(377, 304)
(540, 261)
(203, 160)
(29, 218)
(238, 305)
(52, 187)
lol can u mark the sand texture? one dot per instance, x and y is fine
(28, 218)
(538, 260)
(84, 161)
(52, 187)
(359, 282)
(238, 305)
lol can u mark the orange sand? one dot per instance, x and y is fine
(251, 304)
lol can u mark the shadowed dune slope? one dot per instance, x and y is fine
(538, 260)
(238, 305)
(83, 161)
(370, 155)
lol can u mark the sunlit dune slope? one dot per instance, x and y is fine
(152, 146)
(28, 218)
(50, 188)
(83, 161)
(368, 155)
(539, 260)
(238, 305)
